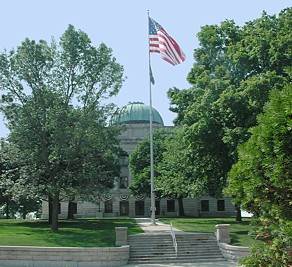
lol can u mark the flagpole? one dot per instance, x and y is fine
(152, 196)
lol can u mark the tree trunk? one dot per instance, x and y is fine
(24, 213)
(7, 210)
(55, 212)
(50, 209)
(238, 213)
(70, 211)
(181, 211)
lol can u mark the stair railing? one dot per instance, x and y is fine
(173, 239)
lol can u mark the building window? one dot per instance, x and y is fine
(123, 182)
(221, 205)
(108, 206)
(139, 208)
(74, 207)
(59, 208)
(204, 205)
(170, 205)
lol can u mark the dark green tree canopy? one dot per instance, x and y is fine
(235, 69)
(261, 178)
(14, 193)
(139, 162)
(52, 99)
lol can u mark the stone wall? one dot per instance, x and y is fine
(289, 250)
(213, 212)
(192, 207)
(25, 256)
(233, 253)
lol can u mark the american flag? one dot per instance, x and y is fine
(161, 42)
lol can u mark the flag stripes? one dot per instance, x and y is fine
(161, 42)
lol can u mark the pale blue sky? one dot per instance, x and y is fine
(122, 25)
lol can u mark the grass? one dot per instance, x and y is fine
(238, 231)
(75, 233)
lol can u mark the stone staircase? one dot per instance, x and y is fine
(158, 248)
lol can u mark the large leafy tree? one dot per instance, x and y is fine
(261, 179)
(175, 171)
(139, 162)
(235, 69)
(15, 195)
(52, 99)
(172, 171)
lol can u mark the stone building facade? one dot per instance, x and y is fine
(134, 117)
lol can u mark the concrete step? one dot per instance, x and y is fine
(179, 255)
(185, 246)
(175, 260)
(170, 240)
(153, 257)
(146, 248)
(171, 250)
(189, 248)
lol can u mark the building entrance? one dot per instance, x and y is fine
(124, 208)
(157, 207)
(139, 208)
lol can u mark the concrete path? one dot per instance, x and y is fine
(149, 228)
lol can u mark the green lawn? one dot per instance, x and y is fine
(75, 233)
(238, 231)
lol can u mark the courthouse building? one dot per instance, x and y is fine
(119, 201)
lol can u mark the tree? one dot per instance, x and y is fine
(14, 194)
(175, 171)
(139, 162)
(172, 171)
(52, 100)
(231, 80)
(261, 179)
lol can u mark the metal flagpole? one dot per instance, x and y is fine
(151, 140)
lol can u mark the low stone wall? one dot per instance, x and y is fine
(233, 253)
(289, 251)
(25, 256)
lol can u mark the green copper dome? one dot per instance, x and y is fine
(136, 112)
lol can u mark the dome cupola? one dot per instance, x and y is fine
(136, 112)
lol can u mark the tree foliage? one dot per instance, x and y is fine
(52, 99)
(15, 194)
(139, 162)
(261, 179)
(172, 168)
(262, 176)
(234, 71)
(175, 171)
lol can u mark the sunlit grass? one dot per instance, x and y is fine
(75, 233)
(239, 232)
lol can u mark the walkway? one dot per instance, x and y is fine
(149, 228)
